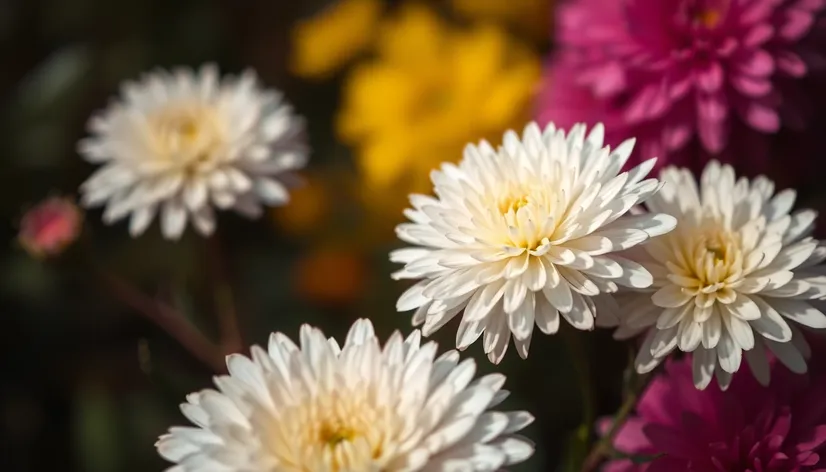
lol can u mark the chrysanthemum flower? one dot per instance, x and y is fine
(519, 235)
(324, 408)
(673, 70)
(729, 279)
(49, 227)
(178, 144)
(431, 89)
(781, 428)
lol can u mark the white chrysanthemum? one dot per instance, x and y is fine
(518, 235)
(177, 144)
(737, 265)
(361, 408)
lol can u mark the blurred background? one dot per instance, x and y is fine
(388, 88)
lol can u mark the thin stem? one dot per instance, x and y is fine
(605, 446)
(231, 339)
(166, 318)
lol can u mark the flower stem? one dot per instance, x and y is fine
(605, 446)
(167, 319)
(231, 339)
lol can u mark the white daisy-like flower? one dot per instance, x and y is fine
(729, 279)
(358, 408)
(519, 235)
(177, 144)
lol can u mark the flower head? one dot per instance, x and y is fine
(360, 407)
(179, 144)
(328, 41)
(729, 279)
(431, 89)
(51, 226)
(748, 427)
(671, 71)
(522, 234)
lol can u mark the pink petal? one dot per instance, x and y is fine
(751, 86)
(649, 103)
(712, 128)
(761, 117)
(757, 63)
(676, 136)
(757, 12)
(796, 23)
(758, 35)
(815, 439)
(710, 78)
(791, 64)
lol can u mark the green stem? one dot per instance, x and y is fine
(231, 339)
(605, 446)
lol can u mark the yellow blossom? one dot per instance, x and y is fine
(431, 89)
(534, 17)
(325, 43)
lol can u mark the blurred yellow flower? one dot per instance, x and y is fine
(431, 90)
(534, 17)
(326, 42)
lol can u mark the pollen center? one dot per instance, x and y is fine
(708, 18)
(188, 134)
(707, 259)
(334, 434)
(513, 204)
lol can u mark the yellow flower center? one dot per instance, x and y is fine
(187, 134)
(334, 432)
(513, 204)
(524, 209)
(333, 435)
(708, 18)
(707, 260)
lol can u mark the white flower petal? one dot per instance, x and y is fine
(192, 139)
(342, 412)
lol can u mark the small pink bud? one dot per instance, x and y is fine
(50, 227)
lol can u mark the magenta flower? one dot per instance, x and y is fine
(780, 428)
(667, 72)
(50, 227)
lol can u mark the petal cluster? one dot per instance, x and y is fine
(322, 407)
(179, 144)
(517, 236)
(669, 72)
(732, 280)
(781, 428)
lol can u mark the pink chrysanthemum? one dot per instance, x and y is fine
(781, 428)
(667, 72)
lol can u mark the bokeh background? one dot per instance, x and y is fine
(388, 88)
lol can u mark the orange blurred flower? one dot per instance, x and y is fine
(331, 276)
(309, 206)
